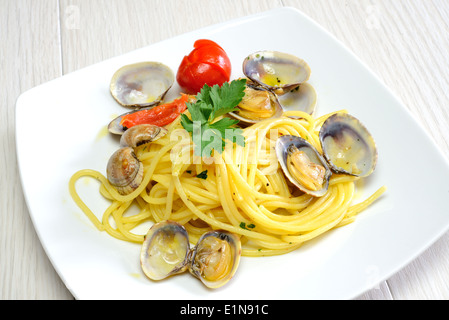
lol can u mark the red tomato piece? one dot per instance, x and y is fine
(207, 64)
(160, 115)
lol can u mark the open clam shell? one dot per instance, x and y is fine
(348, 146)
(257, 104)
(277, 71)
(215, 258)
(303, 165)
(141, 84)
(164, 250)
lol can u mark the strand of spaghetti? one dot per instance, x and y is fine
(248, 252)
(343, 198)
(105, 193)
(218, 224)
(226, 200)
(292, 226)
(253, 209)
(354, 210)
(339, 213)
(117, 214)
(143, 215)
(264, 218)
(282, 187)
(151, 200)
(299, 114)
(170, 196)
(297, 207)
(241, 181)
(72, 189)
(314, 209)
(200, 193)
(265, 182)
(254, 153)
(107, 226)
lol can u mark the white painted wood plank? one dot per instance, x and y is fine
(29, 56)
(108, 28)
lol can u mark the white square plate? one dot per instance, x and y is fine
(60, 129)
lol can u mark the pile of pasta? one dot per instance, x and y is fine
(242, 190)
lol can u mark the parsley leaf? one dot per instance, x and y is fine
(243, 225)
(211, 103)
(202, 175)
(226, 98)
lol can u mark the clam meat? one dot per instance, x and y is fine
(215, 258)
(303, 165)
(141, 84)
(257, 104)
(348, 146)
(124, 170)
(166, 251)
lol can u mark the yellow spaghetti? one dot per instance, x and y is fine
(243, 191)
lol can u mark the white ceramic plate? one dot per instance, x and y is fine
(61, 129)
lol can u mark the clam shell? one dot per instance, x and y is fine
(124, 171)
(302, 98)
(164, 251)
(141, 84)
(277, 71)
(282, 145)
(141, 134)
(348, 146)
(208, 256)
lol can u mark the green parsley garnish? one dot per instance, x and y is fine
(202, 175)
(211, 103)
(243, 225)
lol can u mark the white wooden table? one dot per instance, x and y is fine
(406, 42)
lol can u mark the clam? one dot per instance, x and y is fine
(302, 98)
(141, 84)
(276, 71)
(124, 171)
(348, 146)
(215, 258)
(166, 251)
(257, 104)
(303, 165)
(141, 134)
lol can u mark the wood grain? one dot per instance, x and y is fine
(30, 55)
(109, 28)
(405, 42)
